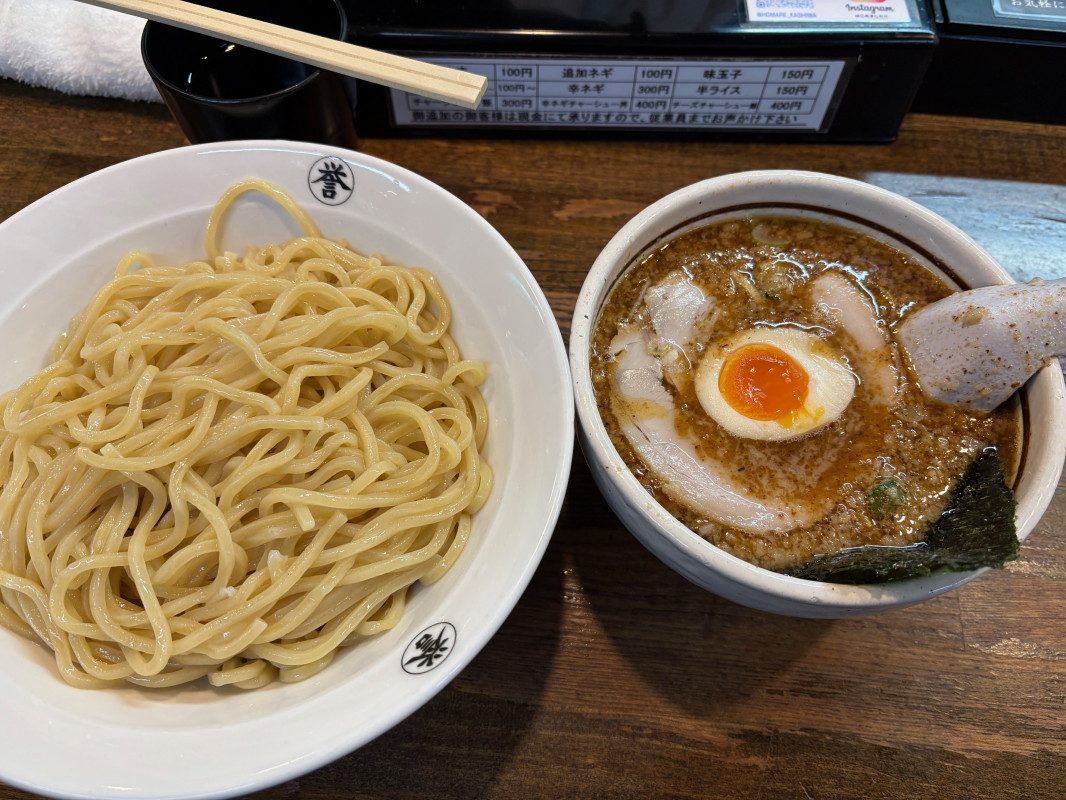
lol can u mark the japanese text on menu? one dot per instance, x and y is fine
(765, 94)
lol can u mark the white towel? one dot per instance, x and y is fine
(74, 48)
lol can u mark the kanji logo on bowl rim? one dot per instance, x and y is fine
(429, 648)
(331, 180)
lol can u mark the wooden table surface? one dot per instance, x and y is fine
(614, 677)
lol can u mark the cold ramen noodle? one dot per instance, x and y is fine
(748, 372)
(235, 467)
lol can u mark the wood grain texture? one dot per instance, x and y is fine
(614, 677)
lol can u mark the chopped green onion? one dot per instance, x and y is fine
(886, 497)
(659, 347)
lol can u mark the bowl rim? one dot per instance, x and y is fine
(671, 538)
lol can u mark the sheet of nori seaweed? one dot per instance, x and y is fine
(977, 530)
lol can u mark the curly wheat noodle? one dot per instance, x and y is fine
(235, 467)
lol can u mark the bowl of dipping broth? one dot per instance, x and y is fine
(749, 414)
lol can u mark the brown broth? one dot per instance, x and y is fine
(922, 445)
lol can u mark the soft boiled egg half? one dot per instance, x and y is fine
(773, 384)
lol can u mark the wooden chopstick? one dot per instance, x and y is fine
(429, 80)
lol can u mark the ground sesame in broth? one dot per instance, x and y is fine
(858, 464)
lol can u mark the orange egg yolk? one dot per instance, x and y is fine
(763, 382)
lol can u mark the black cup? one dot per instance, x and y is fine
(218, 91)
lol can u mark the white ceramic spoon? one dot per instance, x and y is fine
(976, 348)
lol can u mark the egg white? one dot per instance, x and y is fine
(830, 388)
